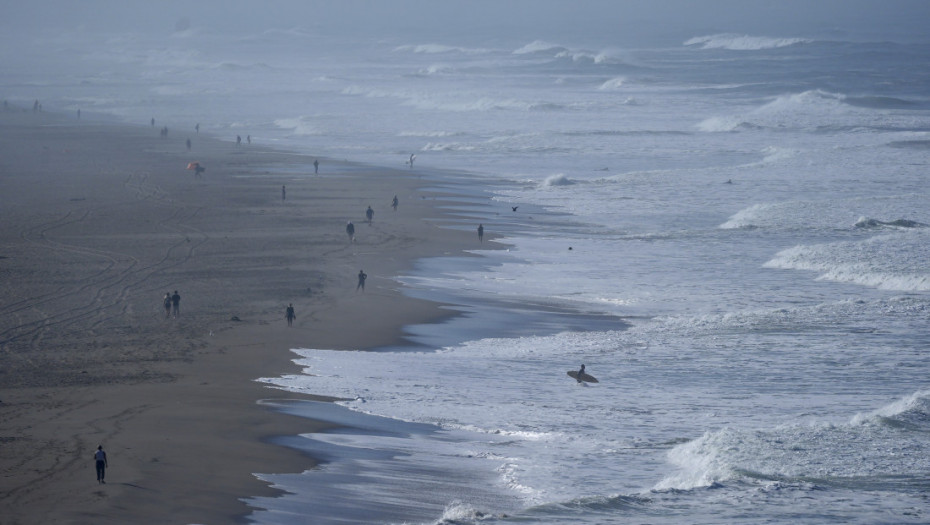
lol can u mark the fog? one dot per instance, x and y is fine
(656, 22)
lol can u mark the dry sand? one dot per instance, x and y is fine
(99, 221)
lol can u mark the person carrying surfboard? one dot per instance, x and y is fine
(580, 372)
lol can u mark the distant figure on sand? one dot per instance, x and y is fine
(283, 193)
(412, 158)
(350, 231)
(197, 127)
(369, 214)
(238, 140)
(316, 166)
(480, 233)
(361, 280)
(167, 302)
(176, 304)
(290, 315)
(153, 122)
(394, 203)
(188, 144)
(100, 461)
(248, 138)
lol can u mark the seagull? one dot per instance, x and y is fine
(515, 208)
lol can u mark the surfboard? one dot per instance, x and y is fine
(587, 378)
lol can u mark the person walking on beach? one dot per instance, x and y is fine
(197, 127)
(283, 193)
(188, 144)
(176, 304)
(411, 159)
(480, 233)
(369, 214)
(290, 315)
(394, 203)
(100, 459)
(238, 140)
(167, 302)
(361, 280)
(350, 231)
(316, 166)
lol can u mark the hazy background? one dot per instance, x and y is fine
(660, 22)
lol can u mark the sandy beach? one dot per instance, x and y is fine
(100, 221)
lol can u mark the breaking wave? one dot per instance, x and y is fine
(736, 42)
(869, 448)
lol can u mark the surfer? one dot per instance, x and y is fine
(580, 373)
(361, 280)
(369, 214)
(480, 232)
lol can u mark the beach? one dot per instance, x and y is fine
(100, 221)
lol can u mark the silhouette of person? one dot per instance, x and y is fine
(580, 373)
(238, 140)
(290, 315)
(480, 233)
(369, 214)
(153, 122)
(197, 127)
(79, 113)
(100, 461)
(176, 304)
(316, 166)
(248, 138)
(167, 302)
(350, 231)
(361, 280)
(188, 144)
(394, 203)
(283, 193)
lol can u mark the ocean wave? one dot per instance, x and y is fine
(430, 134)
(557, 180)
(614, 83)
(866, 450)
(814, 109)
(735, 42)
(436, 69)
(897, 261)
(299, 125)
(911, 412)
(447, 146)
(433, 49)
(458, 512)
(865, 222)
(540, 46)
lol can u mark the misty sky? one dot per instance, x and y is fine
(662, 22)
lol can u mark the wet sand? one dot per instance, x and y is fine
(99, 220)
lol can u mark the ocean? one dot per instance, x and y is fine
(727, 223)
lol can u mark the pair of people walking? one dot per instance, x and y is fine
(172, 304)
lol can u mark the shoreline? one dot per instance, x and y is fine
(101, 219)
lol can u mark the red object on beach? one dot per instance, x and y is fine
(193, 165)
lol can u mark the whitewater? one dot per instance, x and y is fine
(729, 230)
